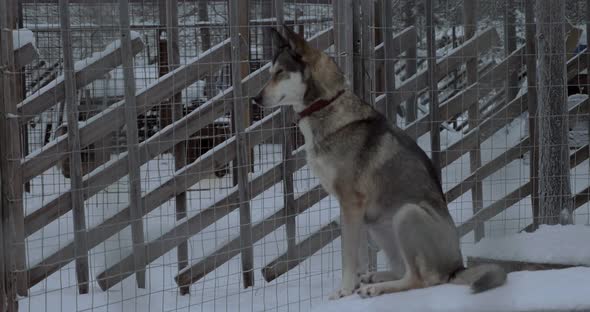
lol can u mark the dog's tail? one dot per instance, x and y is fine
(480, 278)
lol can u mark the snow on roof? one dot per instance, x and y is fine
(552, 290)
(22, 37)
(567, 244)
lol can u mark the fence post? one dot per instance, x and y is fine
(411, 60)
(11, 188)
(509, 47)
(470, 21)
(433, 88)
(76, 185)
(288, 145)
(363, 45)
(587, 77)
(343, 39)
(389, 61)
(367, 46)
(135, 201)
(205, 33)
(180, 150)
(237, 10)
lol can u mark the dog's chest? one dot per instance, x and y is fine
(322, 166)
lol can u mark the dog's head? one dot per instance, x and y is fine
(300, 74)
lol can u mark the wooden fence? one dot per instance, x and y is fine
(368, 69)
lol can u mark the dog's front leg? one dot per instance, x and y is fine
(351, 227)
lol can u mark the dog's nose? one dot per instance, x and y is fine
(257, 99)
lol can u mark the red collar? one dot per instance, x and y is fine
(318, 105)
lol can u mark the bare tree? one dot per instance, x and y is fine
(554, 181)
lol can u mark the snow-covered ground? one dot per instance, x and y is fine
(549, 244)
(553, 290)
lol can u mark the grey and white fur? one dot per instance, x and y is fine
(383, 180)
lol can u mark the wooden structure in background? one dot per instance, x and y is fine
(193, 163)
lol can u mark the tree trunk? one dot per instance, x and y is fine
(554, 182)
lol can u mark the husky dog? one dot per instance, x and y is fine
(382, 179)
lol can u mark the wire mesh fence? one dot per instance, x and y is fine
(171, 200)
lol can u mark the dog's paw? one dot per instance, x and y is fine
(341, 293)
(367, 291)
(367, 278)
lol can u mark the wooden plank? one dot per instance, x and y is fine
(288, 166)
(345, 42)
(494, 79)
(240, 120)
(367, 56)
(205, 32)
(306, 248)
(483, 41)
(531, 65)
(25, 55)
(400, 43)
(391, 50)
(485, 130)
(492, 210)
(470, 9)
(511, 83)
(487, 169)
(368, 85)
(358, 74)
(449, 108)
(178, 111)
(74, 148)
(378, 30)
(224, 253)
(11, 184)
(433, 89)
(190, 175)
(160, 142)
(409, 19)
(587, 58)
(135, 202)
(112, 118)
(54, 92)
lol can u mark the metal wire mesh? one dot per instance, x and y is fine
(199, 86)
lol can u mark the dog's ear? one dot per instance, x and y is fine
(278, 41)
(296, 41)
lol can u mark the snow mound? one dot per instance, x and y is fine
(559, 244)
(552, 290)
